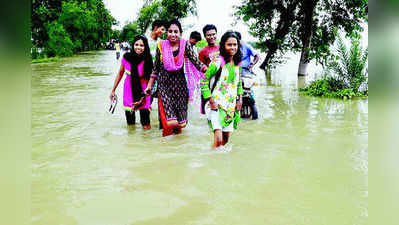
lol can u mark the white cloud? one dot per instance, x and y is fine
(123, 10)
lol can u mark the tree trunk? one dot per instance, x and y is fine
(303, 63)
(307, 33)
(267, 59)
(301, 82)
(287, 17)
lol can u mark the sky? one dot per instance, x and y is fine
(124, 10)
(217, 12)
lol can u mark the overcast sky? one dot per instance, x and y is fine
(217, 12)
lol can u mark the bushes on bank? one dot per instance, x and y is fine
(346, 76)
(331, 87)
(61, 28)
(59, 43)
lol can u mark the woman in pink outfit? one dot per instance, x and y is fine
(172, 84)
(137, 65)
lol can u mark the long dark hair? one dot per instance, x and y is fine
(175, 22)
(237, 57)
(134, 59)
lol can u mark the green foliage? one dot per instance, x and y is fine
(350, 65)
(317, 88)
(346, 75)
(164, 10)
(45, 60)
(177, 9)
(129, 31)
(86, 23)
(77, 22)
(35, 53)
(270, 22)
(285, 25)
(116, 34)
(332, 88)
(42, 11)
(59, 43)
(148, 13)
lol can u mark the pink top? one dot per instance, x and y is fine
(127, 90)
(209, 54)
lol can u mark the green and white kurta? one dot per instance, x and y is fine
(227, 89)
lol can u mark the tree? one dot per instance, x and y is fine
(164, 10)
(43, 11)
(148, 13)
(129, 31)
(59, 43)
(306, 14)
(346, 75)
(115, 34)
(79, 22)
(350, 64)
(270, 21)
(177, 9)
(104, 22)
(309, 26)
(87, 23)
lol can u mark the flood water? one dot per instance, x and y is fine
(303, 162)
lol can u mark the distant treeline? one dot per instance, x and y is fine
(61, 28)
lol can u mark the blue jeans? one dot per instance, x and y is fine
(246, 72)
(254, 110)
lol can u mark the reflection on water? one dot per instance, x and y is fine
(303, 162)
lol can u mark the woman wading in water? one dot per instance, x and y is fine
(173, 94)
(137, 65)
(222, 89)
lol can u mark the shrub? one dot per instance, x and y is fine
(345, 76)
(350, 66)
(330, 87)
(59, 43)
(35, 53)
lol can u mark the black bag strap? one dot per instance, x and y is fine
(217, 77)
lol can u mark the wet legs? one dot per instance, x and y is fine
(220, 138)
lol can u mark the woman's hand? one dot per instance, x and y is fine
(238, 104)
(138, 104)
(112, 95)
(148, 90)
(203, 69)
(251, 66)
(213, 104)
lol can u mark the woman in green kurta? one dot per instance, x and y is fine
(222, 89)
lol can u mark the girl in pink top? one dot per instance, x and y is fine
(137, 65)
